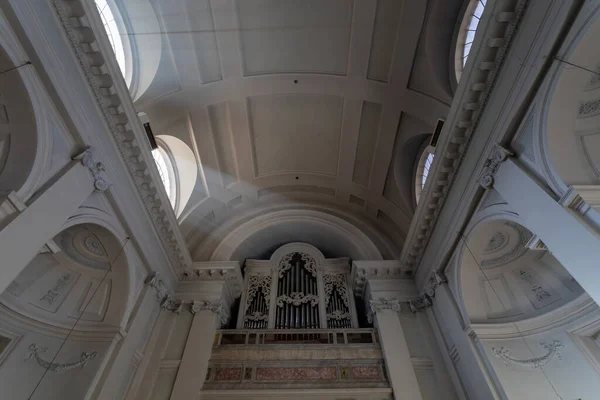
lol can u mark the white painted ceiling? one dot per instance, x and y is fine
(323, 100)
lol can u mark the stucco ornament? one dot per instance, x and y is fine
(213, 306)
(537, 362)
(35, 351)
(297, 298)
(96, 168)
(376, 306)
(499, 154)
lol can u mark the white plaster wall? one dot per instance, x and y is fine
(19, 375)
(573, 377)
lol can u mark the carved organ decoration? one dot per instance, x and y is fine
(337, 303)
(256, 314)
(297, 288)
(297, 293)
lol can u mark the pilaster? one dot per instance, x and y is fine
(383, 287)
(211, 289)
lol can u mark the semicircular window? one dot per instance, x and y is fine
(466, 35)
(166, 172)
(422, 171)
(112, 31)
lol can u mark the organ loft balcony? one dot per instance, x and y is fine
(297, 326)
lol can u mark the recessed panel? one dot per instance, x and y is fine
(284, 36)
(202, 29)
(387, 20)
(224, 150)
(295, 133)
(367, 138)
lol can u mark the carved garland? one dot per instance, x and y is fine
(35, 351)
(297, 298)
(257, 316)
(256, 282)
(536, 362)
(310, 264)
(338, 315)
(337, 281)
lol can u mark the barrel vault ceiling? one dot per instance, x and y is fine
(318, 100)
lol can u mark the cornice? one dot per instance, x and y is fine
(118, 111)
(363, 271)
(464, 118)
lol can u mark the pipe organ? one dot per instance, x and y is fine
(297, 288)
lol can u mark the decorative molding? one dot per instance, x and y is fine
(163, 294)
(376, 306)
(257, 316)
(96, 168)
(420, 303)
(310, 264)
(338, 315)
(337, 281)
(93, 245)
(581, 198)
(589, 109)
(425, 300)
(256, 283)
(491, 165)
(379, 270)
(435, 280)
(537, 362)
(58, 288)
(295, 352)
(538, 291)
(125, 129)
(459, 129)
(496, 243)
(297, 298)
(214, 307)
(517, 251)
(34, 352)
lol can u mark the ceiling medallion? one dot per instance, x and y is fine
(520, 248)
(92, 244)
(497, 242)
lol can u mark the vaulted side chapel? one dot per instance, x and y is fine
(299, 199)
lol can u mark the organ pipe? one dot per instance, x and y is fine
(297, 297)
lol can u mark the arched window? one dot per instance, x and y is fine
(166, 172)
(112, 31)
(422, 171)
(466, 35)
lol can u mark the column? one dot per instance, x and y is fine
(476, 376)
(196, 355)
(401, 373)
(570, 241)
(23, 237)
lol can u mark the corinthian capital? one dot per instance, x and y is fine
(215, 307)
(376, 306)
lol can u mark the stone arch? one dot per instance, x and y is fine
(80, 281)
(505, 274)
(25, 133)
(570, 112)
